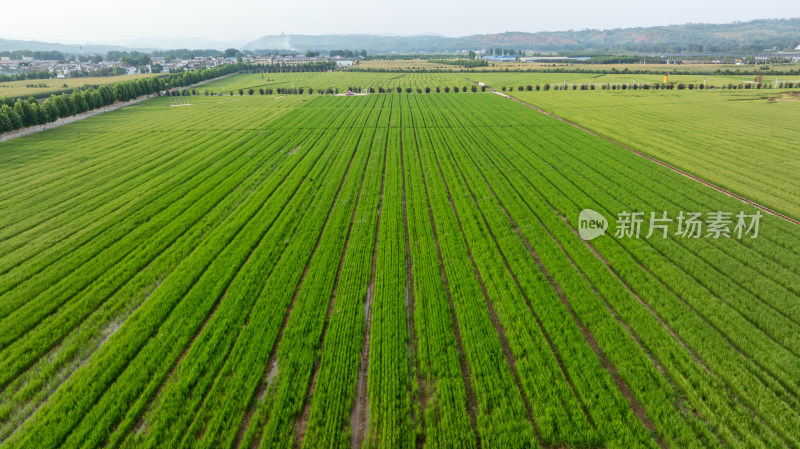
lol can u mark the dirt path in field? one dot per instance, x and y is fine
(411, 303)
(657, 161)
(359, 416)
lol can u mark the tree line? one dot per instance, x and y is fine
(649, 86)
(466, 63)
(331, 90)
(505, 52)
(347, 53)
(42, 55)
(319, 66)
(28, 112)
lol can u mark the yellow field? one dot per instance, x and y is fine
(415, 64)
(18, 89)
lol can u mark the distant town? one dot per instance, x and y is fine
(33, 68)
(30, 67)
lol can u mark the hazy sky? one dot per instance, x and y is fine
(129, 21)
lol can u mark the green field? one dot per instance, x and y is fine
(393, 271)
(363, 80)
(742, 140)
(513, 80)
(339, 80)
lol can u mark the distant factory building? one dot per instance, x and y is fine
(500, 58)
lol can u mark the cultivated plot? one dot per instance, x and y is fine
(744, 141)
(384, 270)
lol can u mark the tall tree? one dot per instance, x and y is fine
(5, 121)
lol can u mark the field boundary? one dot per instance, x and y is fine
(657, 161)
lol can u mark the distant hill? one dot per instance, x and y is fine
(14, 45)
(753, 37)
(756, 35)
(372, 43)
